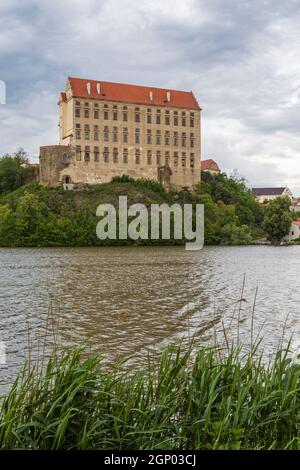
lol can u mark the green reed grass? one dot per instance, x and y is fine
(190, 401)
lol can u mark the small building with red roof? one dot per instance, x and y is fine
(210, 166)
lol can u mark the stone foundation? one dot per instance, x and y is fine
(58, 166)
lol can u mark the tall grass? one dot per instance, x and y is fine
(190, 401)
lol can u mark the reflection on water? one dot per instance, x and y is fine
(129, 300)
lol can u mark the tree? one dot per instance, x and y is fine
(278, 219)
(13, 171)
(7, 225)
(231, 234)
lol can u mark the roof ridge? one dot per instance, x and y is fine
(129, 93)
(133, 84)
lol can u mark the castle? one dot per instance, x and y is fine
(110, 129)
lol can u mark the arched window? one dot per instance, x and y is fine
(67, 179)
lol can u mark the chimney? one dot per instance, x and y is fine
(151, 95)
(88, 88)
(98, 88)
(168, 96)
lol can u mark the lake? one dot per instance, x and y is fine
(132, 300)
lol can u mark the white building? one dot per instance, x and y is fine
(295, 205)
(294, 232)
(264, 195)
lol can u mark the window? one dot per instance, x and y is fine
(125, 155)
(158, 157)
(78, 132)
(137, 116)
(192, 161)
(175, 118)
(115, 113)
(125, 135)
(175, 158)
(125, 113)
(115, 134)
(96, 132)
(183, 138)
(183, 159)
(167, 118)
(137, 136)
(106, 154)
(106, 112)
(158, 139)
(96, 154)
(86, 111)
(106, 133)
(167, 137)
(87, 153)
(137, 156)
(158, 116)
(77, 112)
(192, 119)
(77, 103)
(167, 157)
(149, 137)
(175, 139)
(149, 157)
(96, 113)
(115, 155)
(183, 119)
(86, 132)
(149, 116)
(192, 140)
(78, 152)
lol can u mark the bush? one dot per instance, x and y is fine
(190, 401)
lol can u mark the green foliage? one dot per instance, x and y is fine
(278, 219)
(232, 214)
(187, 402)
(13, 171)
(36, 216)
(230, 234)
(143, 183)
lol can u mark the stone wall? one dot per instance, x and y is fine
(55, 161)
(58, 165)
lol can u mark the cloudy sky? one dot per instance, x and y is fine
(241, 58)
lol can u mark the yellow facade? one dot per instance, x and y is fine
(110, 138)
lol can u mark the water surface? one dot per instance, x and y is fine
(131, 300)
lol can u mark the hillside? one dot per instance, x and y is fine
(36, 216)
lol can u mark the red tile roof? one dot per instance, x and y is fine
(132, 94)
(267, 191)
(209, 164)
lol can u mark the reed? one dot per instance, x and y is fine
(205, 400)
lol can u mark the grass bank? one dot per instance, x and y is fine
(186, 401)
